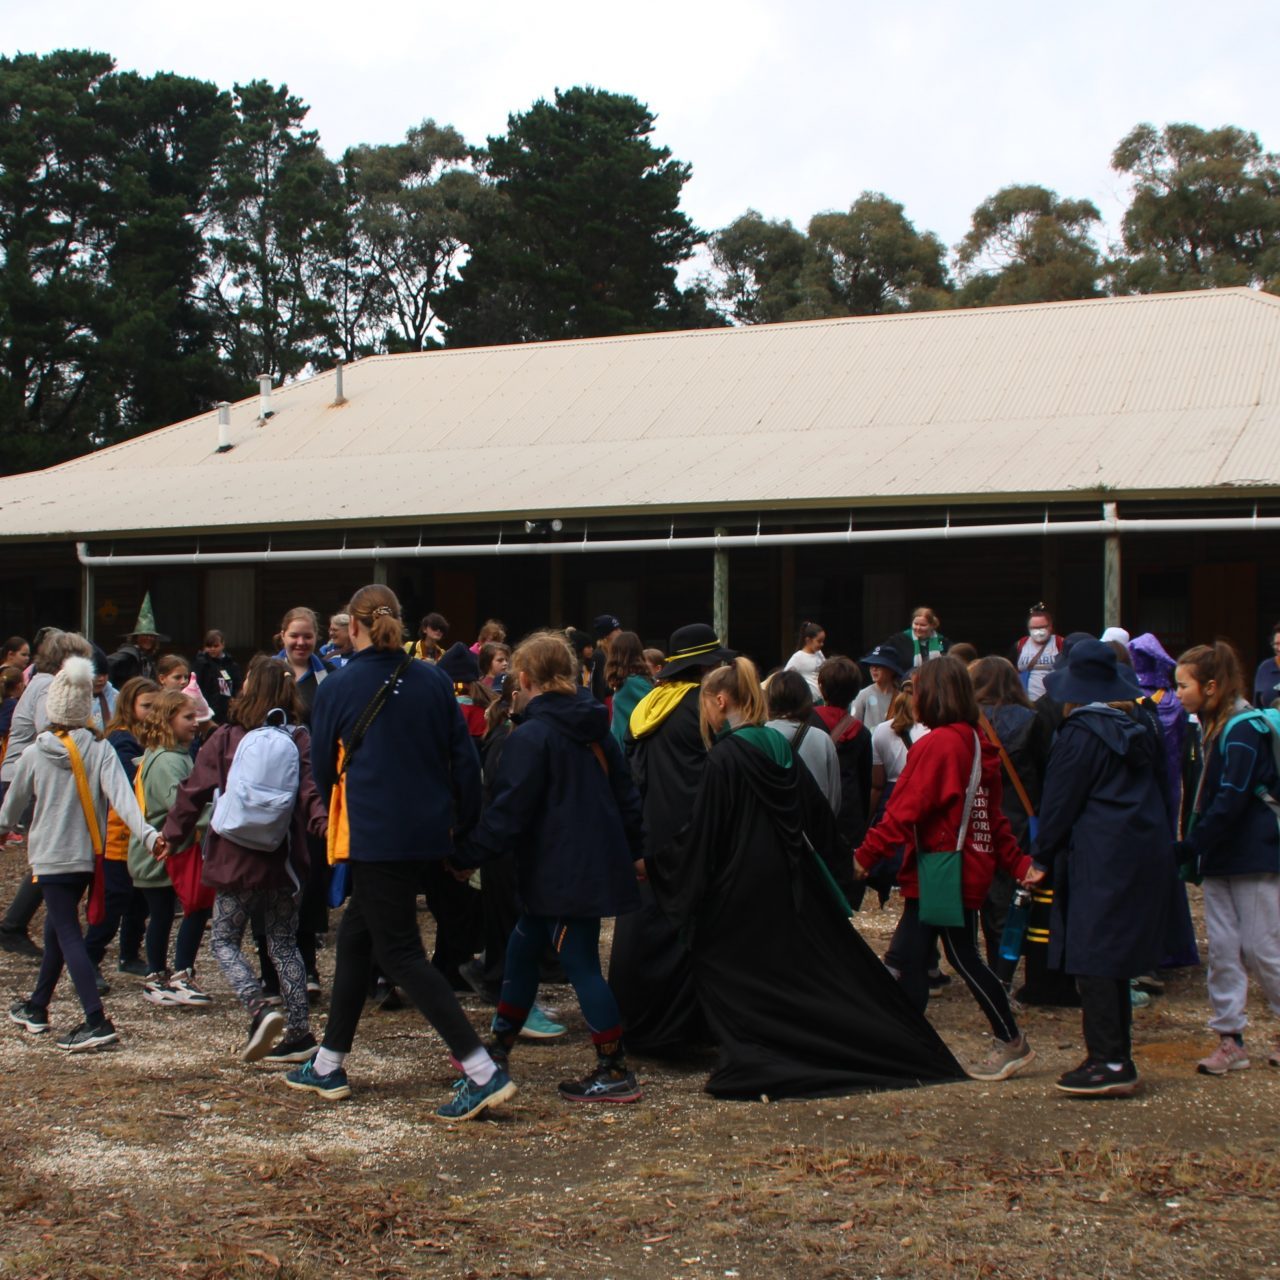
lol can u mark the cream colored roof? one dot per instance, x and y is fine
(1151, 396)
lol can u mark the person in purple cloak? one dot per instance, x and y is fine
(1154, 668)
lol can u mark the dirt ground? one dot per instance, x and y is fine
(165, 1156)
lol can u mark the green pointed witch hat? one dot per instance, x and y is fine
(146, 625)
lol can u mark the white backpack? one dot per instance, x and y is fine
(262, 787)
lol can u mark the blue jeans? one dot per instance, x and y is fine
(577, 944)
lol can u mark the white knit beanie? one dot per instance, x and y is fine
(70, 697)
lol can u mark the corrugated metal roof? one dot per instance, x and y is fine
(1138, 396)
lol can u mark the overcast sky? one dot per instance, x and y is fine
(789, 108)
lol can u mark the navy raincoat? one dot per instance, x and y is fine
(1104, 836)
(574, 826)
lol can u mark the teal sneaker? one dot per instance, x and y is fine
(470, 1099)
(333, 1086)
(1138, 998)
(538, 1026)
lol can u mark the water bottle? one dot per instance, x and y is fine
(1015, 926)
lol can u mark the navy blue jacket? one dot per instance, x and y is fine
(1236, 834)
(575, 832)
(416, 775)
(1104, 835)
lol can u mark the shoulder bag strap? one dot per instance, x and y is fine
(799, 736)
(370, 713)
(990, 730)
(839, 727)
(86, 796)
(975, 776)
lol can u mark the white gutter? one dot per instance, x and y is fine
(1109, 524)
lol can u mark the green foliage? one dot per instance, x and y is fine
(769, 272)
(1205, 210)
(876, 262)
(586, 233)
(410, 208)
(275, 240)
(1028, 245)
(102, 180)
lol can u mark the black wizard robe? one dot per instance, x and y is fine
(649, 968)
(799, 1004)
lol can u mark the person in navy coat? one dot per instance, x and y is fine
(1104, 835)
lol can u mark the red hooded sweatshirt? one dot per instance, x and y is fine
(927, 804)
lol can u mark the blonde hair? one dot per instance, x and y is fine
(377, 610)
(547, 658)
(902, 712)
(740, 683)
(157, 729)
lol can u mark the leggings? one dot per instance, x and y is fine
(64, 943)
(914, 942)
(162, 903)
(126, 910)
(577, 942)
(231, 912)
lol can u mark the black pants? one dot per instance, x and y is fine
(162, 903)
(125, 909)
(381, 923)
(457, 911)
(1107, 1013)
(26, 902)
(913, 944)
(64, 944)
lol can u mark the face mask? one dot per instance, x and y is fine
(1039, 634)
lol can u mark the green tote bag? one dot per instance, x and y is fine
(940, 873)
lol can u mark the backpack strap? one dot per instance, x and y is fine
(799, 736)
(990, 730)
(82, 787)
(370, 713)
(839, 728)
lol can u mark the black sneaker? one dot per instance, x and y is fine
(28, 1015)
(85, 1037)
(137, 967)
(1098, 1080)
(604, 1084)
(293, 1049)
(313, 988)
(264, 1031)
(472, 973)
(388, 997)
(16, 942)
(938, 981)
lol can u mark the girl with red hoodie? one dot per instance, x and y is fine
(926, 812)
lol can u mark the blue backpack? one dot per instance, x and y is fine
(1267, 721)
(256, 809)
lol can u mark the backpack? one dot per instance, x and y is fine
(1267, 721)
(256, 809)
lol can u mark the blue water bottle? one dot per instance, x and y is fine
(1015, 926)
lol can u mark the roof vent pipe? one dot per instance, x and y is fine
(264, 397)
(338, 397)
(224, 426)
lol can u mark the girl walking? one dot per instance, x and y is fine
(1231, 839)
(564, 804)
(948, 797)
(71, 775)
(252, 880)
(167, 733)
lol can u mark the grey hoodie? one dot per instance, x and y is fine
(29, 718)
(58, 842)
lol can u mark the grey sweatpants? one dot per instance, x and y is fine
(1242, 918)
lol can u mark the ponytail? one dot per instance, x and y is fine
(1216, 662)
(740, 683)
(377, 610)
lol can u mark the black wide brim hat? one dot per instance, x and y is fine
(459, 664)
(694, 647)
(1092, 674)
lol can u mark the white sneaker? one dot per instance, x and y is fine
(156, 989)
(183, 989)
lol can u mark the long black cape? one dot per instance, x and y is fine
(649, 969)
(800, 1005)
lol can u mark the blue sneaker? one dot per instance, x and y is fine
(538, 1026)
(333, 1086)
(470, 1099)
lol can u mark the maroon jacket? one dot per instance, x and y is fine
(231, 866)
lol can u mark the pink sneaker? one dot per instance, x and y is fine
(1228, 1056)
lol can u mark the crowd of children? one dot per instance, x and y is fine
(730, 824)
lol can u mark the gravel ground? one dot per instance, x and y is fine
(167, 1156)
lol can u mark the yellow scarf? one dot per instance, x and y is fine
(657, 705)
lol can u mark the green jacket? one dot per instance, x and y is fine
(162, 770)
